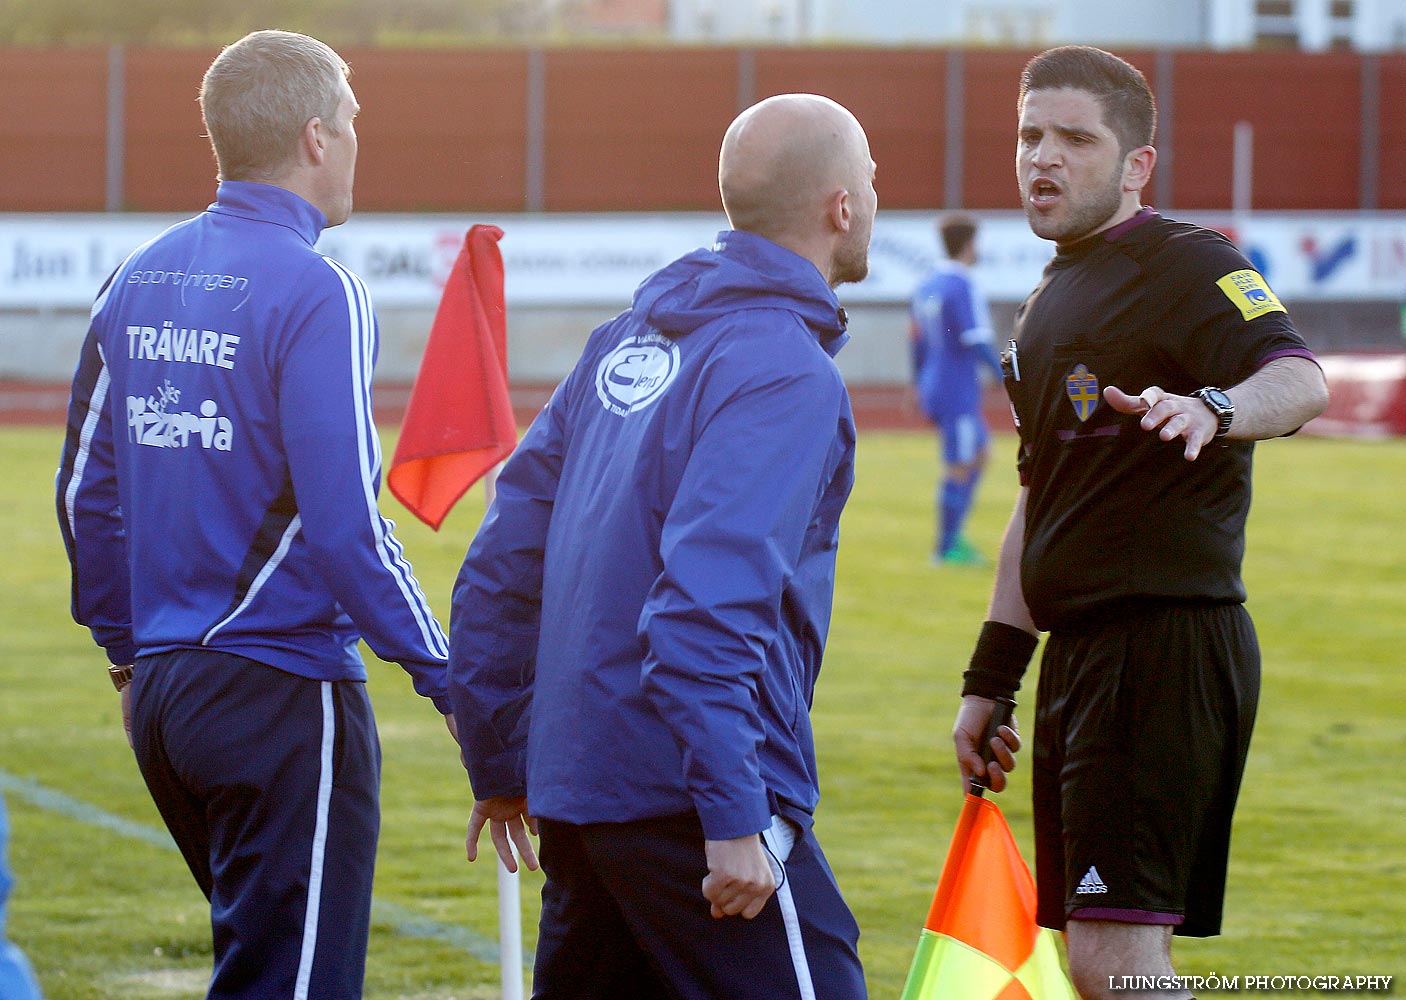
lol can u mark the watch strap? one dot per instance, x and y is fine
(1224, 412)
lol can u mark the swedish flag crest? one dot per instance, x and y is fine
(1081, 386)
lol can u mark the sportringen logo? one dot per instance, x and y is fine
(637, 372)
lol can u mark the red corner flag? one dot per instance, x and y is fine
(980, 941)
(459, 422)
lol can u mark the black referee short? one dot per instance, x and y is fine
(1142, 727)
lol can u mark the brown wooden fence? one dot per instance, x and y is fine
(635, 129)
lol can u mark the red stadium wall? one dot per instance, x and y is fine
(165, 167)
(1305, 114)
(53, 130)
(440, 130)
(991, 82)
(634, 129)
(899, 94)
(1392, 147)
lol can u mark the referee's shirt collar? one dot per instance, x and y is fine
(1081, 249)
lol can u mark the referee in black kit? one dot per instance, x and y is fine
(1127, 536)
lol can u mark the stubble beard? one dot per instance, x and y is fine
(851, 263)
(1084, 217)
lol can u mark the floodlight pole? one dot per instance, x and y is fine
(116, 129)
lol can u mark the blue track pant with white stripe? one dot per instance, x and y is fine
(269, 783)
(624, 918)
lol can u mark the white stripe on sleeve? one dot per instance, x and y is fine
(369, 448)
(85, 440)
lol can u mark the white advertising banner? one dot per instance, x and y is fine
(60, 261)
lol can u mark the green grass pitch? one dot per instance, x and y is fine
(1318, 867)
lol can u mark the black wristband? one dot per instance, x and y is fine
(999, 661)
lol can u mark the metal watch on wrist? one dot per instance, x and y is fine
(121, 675)
(1220, 406)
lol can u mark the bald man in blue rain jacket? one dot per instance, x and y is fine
(638, 627)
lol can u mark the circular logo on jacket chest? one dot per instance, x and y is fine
(637, 372)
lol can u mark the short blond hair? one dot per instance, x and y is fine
(259, 93)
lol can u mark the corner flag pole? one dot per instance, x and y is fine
(509, 933)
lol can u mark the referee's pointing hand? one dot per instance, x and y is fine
(1183, 417)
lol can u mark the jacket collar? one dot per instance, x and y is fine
(804, 279)
(269, 203)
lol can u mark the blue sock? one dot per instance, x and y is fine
(956, 502)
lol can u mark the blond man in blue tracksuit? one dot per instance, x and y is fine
(217, 495)
(638, 627)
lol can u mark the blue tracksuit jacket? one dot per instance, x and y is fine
(639, 623)
(219, 476)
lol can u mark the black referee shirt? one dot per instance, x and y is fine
(1115, 514)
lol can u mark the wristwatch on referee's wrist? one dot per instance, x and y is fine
(1220, 406)
(121, 675)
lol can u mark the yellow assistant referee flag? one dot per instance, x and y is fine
(980, 941)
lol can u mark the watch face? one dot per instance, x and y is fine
(1219, 399)
(1220, 405)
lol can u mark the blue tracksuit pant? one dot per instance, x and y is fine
(624, 918)
(269, 783)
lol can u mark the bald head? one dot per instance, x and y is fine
(782, 161)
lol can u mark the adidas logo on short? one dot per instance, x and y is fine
(1091, 884)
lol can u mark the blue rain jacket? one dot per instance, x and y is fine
(638, 626)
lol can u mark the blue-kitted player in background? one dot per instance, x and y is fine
(951, 342)
(16, 977)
